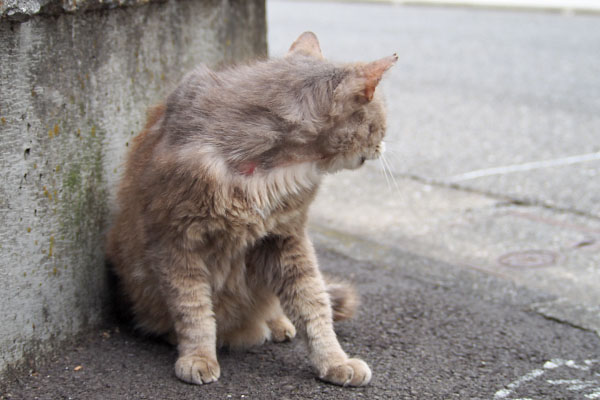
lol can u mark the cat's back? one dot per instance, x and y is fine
(127, 230)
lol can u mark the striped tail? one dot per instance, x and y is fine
(344, 299)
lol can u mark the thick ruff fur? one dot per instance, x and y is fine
(210, 242)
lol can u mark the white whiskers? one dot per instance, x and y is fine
(383, 169)
(389, 168)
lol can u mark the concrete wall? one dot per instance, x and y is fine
(74, 88)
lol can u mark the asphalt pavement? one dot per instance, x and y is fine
(477, 258)
(426, 333)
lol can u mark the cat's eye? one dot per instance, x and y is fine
(372, 129)
(359, 117)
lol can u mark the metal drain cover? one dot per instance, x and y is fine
(529, 258)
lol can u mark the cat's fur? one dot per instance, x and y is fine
(210, 241)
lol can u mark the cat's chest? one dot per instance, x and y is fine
(225, 248)
(257, 218)
(265, 221)
(230, 221)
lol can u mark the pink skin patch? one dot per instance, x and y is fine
(248, 168)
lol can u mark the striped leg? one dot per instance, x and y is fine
(189, 296)
(302, 292)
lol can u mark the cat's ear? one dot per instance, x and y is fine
(306, 44)
(372, 74)
(358, 85)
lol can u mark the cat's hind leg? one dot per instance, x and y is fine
(266, 322)
(282, 329)
(252, 333)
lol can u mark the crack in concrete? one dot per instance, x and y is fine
(576, 315)
(506, 199)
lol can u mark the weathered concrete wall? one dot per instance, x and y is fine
(74, 88)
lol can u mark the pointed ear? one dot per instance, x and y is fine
(373, 72)
(306, 44)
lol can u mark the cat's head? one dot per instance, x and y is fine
(346, 111)
(298, 110)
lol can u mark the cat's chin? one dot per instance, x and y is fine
(340, 164)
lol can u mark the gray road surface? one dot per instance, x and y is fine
(426, 333)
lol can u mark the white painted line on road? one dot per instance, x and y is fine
(572, 364)
(574, 385)
(503, 393)
(557, 162)
(595, 395)
(553, 364)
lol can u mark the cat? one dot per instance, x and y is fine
(210, 242)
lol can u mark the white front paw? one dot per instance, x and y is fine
(197, 369)
(352, 372)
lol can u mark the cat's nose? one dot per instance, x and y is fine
(362, 160)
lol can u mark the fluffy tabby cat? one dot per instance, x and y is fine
(210, 242)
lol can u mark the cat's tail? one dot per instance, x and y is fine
(344, 299)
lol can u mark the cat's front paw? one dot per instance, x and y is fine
(353, 372)
(196, 369)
